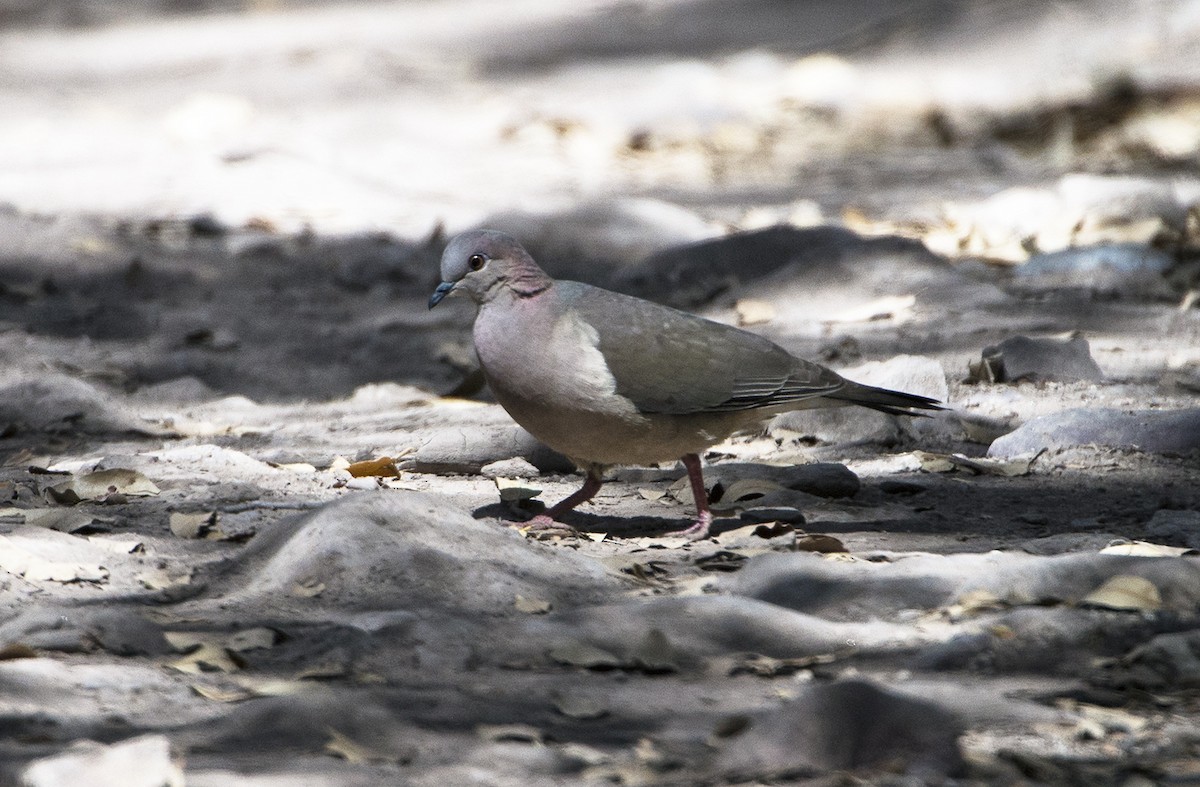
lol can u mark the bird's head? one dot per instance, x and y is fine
(481, 263)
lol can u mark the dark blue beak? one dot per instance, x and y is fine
(442, 291)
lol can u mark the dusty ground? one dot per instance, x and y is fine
(220, 229)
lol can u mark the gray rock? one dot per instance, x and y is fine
(1021, 358)
(848, 725)
(1153, 431)
(468, 450)
(420, 552)
(822, 479)
(1124, 268)
(913, 374)
(1175, 527)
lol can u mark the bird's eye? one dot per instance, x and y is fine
(476, 261)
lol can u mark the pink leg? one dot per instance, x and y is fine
(585, 493)
(703, 516)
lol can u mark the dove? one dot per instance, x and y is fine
(611, 379)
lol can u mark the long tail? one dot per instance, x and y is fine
(884, 400)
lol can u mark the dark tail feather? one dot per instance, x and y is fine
(892, 402)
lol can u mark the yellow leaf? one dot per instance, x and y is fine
(1125, 592)
(383, 467)
(532, 606)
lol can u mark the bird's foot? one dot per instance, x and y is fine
(698, 530)
(544, 527)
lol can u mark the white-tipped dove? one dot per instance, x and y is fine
(609, 379)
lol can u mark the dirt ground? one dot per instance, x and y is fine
(262, 521)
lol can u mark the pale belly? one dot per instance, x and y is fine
(590, 437)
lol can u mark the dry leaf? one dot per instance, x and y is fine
(933, 463)
(352, 751)
(332, 667)
(103, 486)
(308, 588)
(577, 706)
(652, 494)
(64, 520)
(192, 525)
(221, 693)
(1007, 468)
(748, 489)
(818, 542)
(532, 606)
(1146, 549)
(1125, 592)
(384, 467)
(753, 312)
(521, 733)
(208, 657)
(973, 602)
(17, 650)
(583, 654)
(514, 490)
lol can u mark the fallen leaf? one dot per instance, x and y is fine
(973, 602)
(769, 667)
(308, 588)
(332, 667)
(384, 467)
(520, 733)
(1006, 468)
(1146, 549)
(192, 525)
(222, 693)
(583, 654)
(652, 494)
(342, 746)
(818, 542)
(532, 606)
(17, 650)
(64, 520)
(746, 489)
(514, 490)
(934, 463)
(111, 486)
(1125, 592)
(207, 657)
(753, 312)
(578, 706)
(275, 687)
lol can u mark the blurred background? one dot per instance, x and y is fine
(355, 116)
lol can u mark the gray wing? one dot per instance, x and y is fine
(667, 361)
